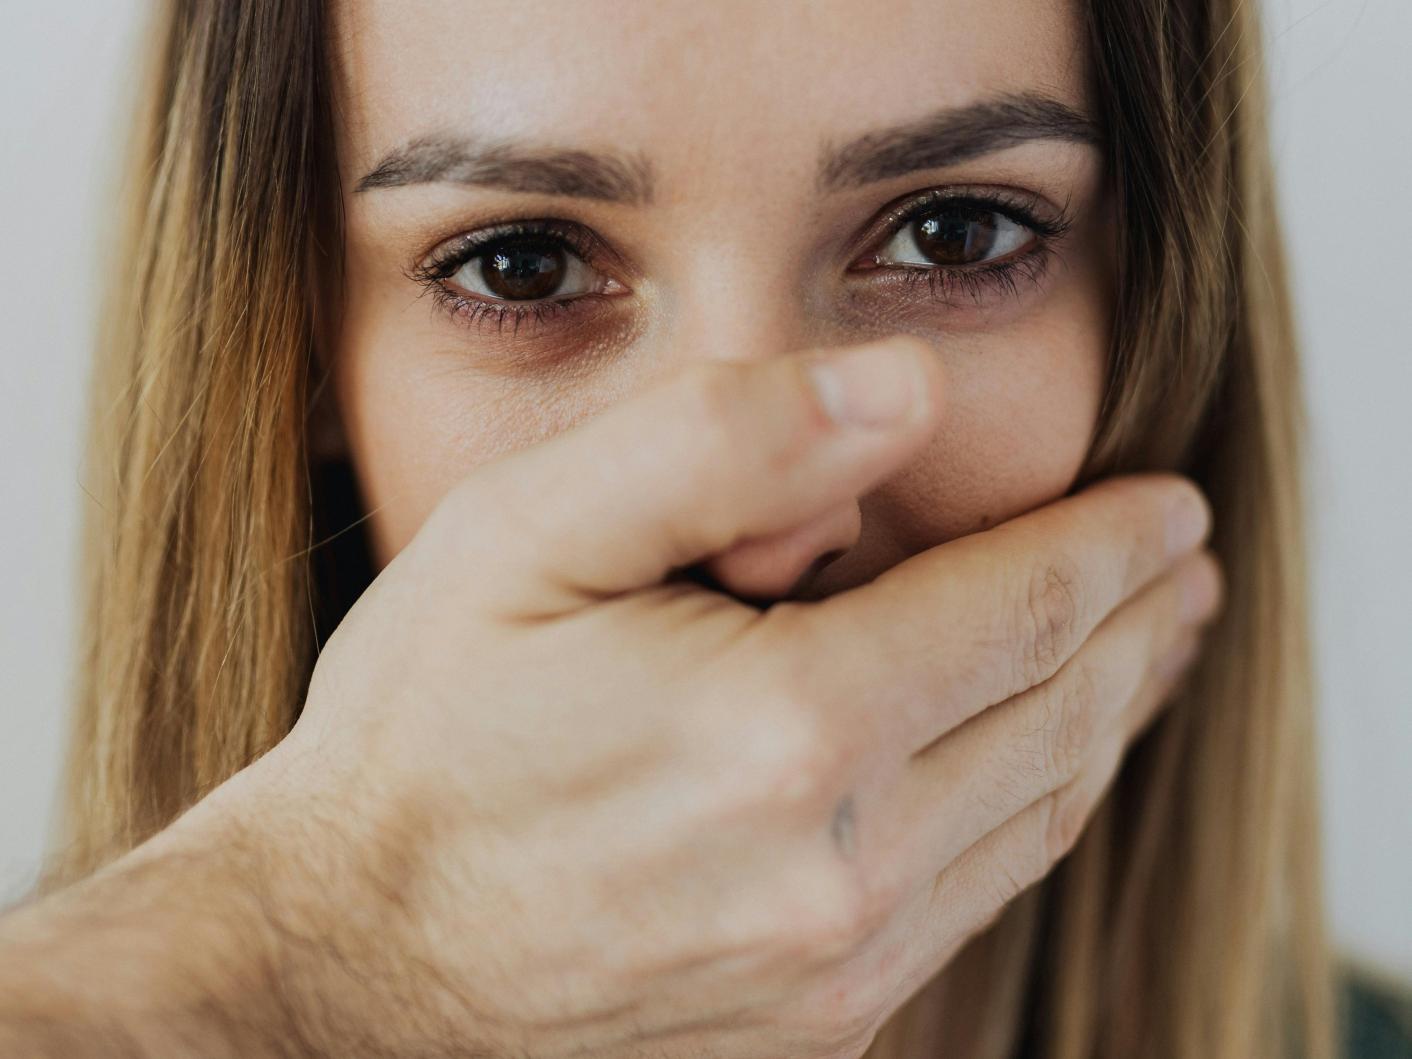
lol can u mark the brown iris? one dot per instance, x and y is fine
(523, 271)
(957, 235)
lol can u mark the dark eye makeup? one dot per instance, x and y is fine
(963, 245)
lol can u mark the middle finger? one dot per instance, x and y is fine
(970, 781)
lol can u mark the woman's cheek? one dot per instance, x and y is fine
(1022, 405)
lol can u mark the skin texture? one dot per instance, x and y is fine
(635, 850)
(739, 256)
(541, 800)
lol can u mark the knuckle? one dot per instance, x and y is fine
(1073, 723)
(791, 756)
(1051, 613)
(1046, 833)
(842, 909)
(1011, 786)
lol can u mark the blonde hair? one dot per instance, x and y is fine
(1187, 922)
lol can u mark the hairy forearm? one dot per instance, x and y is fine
(161, 953)
(255, 925)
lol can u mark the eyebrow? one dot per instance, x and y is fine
(943, 138)
(606, 176)
(951, 136)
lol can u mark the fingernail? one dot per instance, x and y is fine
(1187, 522)
(1198, 590)
(876, 385)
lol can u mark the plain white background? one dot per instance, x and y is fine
(1343, 138)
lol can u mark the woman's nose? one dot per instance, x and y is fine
(749, 313)
(724, 299)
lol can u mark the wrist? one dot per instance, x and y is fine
(160, 952)
(322, 882)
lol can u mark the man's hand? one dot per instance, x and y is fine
(543, 799)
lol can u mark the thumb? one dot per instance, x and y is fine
(722, 452)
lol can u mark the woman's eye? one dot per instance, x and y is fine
(525, 270)
(955, 236)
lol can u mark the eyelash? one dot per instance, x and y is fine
(1005, 275)
(944, 283)
(447, 260)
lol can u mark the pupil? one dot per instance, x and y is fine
(523, 271)
(957, 236)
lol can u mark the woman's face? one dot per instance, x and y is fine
(549, 208)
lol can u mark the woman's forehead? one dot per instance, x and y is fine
(696, 90)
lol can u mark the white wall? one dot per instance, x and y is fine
(61, 84)
(1343, 135)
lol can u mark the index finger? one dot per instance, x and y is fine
(970, 623)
